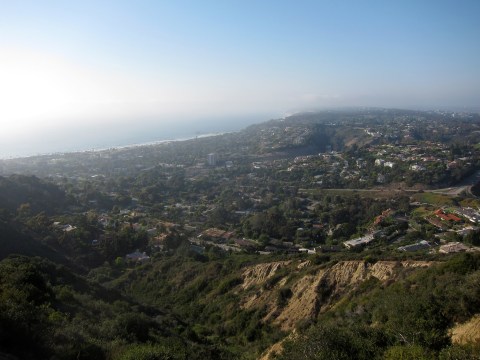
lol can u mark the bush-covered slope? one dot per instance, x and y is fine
(24, 203)
(246, 306)
(408, 319)
(353, 308)
(184, 306)
(34, 194)
(46, 312)
(14, 240)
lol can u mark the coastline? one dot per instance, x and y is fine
(114, 147)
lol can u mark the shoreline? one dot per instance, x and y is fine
(115, 147)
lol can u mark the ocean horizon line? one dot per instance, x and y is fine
(115, 147)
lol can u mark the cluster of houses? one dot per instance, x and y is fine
(275, 137)
(442, 219)
(417, 156)
(469, 213)
(338, 168)
(446, 220)
(448, 248)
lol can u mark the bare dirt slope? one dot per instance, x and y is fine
(312, 291)
(258, 274)
(468, 332)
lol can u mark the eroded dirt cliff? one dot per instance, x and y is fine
(468, 332)
(295, 291)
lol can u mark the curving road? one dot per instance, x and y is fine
(464, 186)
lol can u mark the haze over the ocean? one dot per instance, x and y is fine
(82, 74)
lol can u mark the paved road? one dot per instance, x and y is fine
(463, 187)
(453, 191)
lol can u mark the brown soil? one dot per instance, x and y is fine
(315, 292)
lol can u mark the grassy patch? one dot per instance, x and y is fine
(468, 202)
(421, 212)
(363, 193)
(434, 199)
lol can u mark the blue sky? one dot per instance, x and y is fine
(65, 62)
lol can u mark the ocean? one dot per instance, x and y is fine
(81, 137)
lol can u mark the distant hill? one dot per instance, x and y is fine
(14, 241)
(34, 196)
(16, 190)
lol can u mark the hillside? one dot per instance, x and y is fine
(13, 241)
(238, 306)
(305, 297)
(24, 203)
(37, 195)
(46, 311)
(242, 306)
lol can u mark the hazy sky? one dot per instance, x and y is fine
(65, 62)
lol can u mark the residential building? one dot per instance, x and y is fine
(421, 245)
(212, 159)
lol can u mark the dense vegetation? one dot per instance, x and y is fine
(46, 311)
